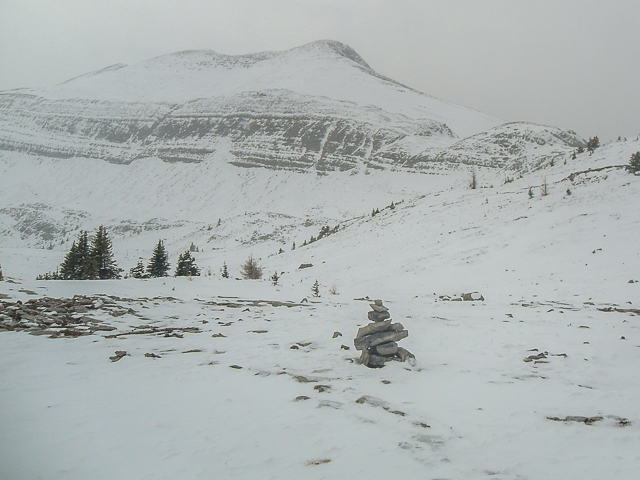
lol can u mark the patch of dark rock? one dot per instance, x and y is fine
(28, 292)
(398, 412)
(301, 398)
(634, 311)
(164, 331)
(218, 335)
(303, 344)
(318, 461)
(225, 324)
(421, 424)
(322, 388)
(194, 350)
(257, 331)
(579, 419)
(345, 347)
(303, 379)
(152, 355)
(118, 356)
(386, 382)
(237, 367)
(305, 265)
(294, 347)
(539, 356)
(336, 335)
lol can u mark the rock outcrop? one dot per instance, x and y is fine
(378, 341)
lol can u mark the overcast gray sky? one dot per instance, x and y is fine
(569, 63)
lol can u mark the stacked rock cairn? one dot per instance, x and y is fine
(378, 340)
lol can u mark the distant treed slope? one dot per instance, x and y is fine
(518, 146)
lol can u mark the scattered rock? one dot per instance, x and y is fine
(322, 388)
(238, 367)
(301, 398)
(119, 355)
(539, 356)
(330, 403)
(472, 297)
(257, 331)
(336, 335)
(421, 424)
(305, 265)
(195, 350)
(345, 347)
(319, 461)
(218, 335)
(294, 347)
(572, 418)
(152, 355)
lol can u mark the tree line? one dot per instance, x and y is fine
(91, 258)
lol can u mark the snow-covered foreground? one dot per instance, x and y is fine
(559, 274)
(471, 407)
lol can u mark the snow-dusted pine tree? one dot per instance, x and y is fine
(103, 266)
(159, 263)
(186, 266)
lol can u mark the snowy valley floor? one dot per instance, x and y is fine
(224, 406)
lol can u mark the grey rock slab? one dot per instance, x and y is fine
(373, 328)
(367, 341)
(378, 308)
(378, 316)
(390, 348)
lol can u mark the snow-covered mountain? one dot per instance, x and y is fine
(319, 107)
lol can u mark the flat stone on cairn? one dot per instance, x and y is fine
(378, 340)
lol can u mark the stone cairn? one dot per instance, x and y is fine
(378, 340)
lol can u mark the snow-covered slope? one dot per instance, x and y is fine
(539, 380)
(518, 146)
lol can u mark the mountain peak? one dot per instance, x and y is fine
(335, 47)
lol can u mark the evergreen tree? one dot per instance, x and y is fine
(315, 289)
(580, 150)
(250, 270)
(138, 271)
(634, 162)
(158, 265)
(592, 144)
(102, 265)
(186, 266)
(84, 267)
(225, 271)
(70, 266)
(530, 192)
(77, 264)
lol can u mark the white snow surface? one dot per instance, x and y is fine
(323, 68)
(549, 268)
